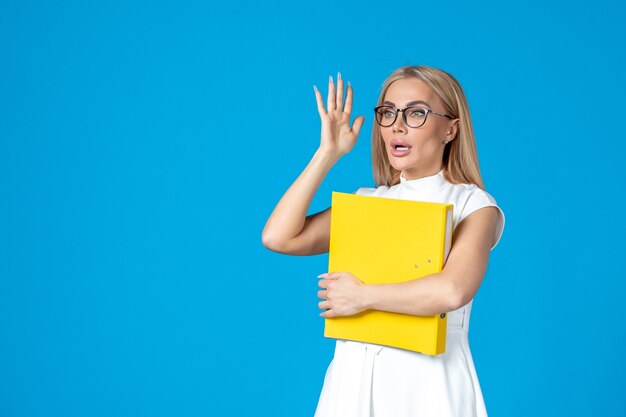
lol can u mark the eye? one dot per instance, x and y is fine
(387, 112)
(417, 113)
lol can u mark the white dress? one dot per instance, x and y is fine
(368, 380)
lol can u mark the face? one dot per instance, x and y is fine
(417, 152)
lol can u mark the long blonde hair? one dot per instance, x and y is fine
(460, 159)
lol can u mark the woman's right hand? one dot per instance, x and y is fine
(338, 138)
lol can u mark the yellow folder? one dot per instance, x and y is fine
(382, 240)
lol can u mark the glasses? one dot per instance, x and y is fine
(412, 116)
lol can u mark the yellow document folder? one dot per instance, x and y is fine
(381, 240)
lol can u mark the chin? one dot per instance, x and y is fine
(401, 165)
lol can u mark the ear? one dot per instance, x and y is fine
(452, 130)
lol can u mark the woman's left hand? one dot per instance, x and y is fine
(343, 293)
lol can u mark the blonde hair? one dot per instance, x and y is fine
(460, 159)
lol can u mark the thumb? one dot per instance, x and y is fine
(358, 123)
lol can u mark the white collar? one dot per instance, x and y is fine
(431, 183)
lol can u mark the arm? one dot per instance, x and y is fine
(446, 291)
(289, 230)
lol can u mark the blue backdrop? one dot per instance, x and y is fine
(143, 145)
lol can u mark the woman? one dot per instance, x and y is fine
(423, 149)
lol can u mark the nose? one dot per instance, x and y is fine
(399, 124)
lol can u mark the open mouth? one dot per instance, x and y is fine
(399, 145)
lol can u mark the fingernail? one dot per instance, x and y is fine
(348, 83)
(315, 88)
(322, 276)
(330, 78)
(338, 75)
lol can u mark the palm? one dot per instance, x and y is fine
(338, 138)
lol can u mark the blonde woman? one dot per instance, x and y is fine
(423, 149)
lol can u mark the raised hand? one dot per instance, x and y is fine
(338, 138)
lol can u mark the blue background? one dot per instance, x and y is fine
(144, 145)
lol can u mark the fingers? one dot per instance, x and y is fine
(328, 314)
(328, 278)
(349, 93)
(358, 123)
(339, 98)
(320, 102)
(324, 305)
(328, 311)
(330, 104)
(335, 96)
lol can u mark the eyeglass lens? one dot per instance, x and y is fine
(413, 116)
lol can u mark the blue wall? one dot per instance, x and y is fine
(144, 145)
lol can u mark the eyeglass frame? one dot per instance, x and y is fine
(404, 115)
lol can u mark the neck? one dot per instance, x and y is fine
(417, 173)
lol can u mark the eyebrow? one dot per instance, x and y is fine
(410, 103)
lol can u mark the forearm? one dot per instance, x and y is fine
(287, 219)
(453, 287)
(426, 296)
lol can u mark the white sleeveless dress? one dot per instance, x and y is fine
(368, 380)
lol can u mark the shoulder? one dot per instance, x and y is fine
(471, 198)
